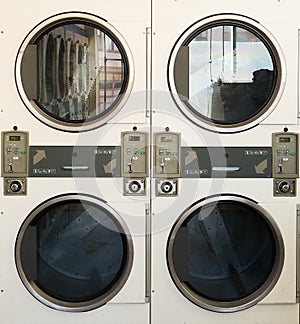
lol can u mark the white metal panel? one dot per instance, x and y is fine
(272, 15)
(278, 306)
(285, 216)
(128, 306)
(131, 26)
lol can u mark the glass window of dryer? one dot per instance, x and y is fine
(225, 255)
(226, 73)
(74, 253)
(74, 72)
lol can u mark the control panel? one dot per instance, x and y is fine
(167, 155)
(134, 154)
(285, 155)
(15, 149)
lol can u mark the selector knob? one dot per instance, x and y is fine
(166, 187)
(284, 186)
(15, 186)
(134, 186)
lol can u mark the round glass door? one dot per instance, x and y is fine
(225, 254)
(225, 72)
(74, 253)
(74, 72)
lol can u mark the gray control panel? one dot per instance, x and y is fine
(285, 155)
(167, 155)
(15, 149)
(134, 154)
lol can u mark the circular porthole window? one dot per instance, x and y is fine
(226, 73)
(225, 254)
(74, 72)
(74, 253)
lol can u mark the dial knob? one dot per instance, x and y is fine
(134, 186)
(284, 186)
(166, 187)
(15, 186)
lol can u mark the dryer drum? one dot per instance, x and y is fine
(225, 255)
(74, 253)
(225, 72)
(46, 71)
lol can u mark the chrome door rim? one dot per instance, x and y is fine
(42, 115)
(261, 292)
(74, 306)
(278, 91)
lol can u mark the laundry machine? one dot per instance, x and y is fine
(75, 232)
(226, 67)
(74, 68)
(74, 84)
(210, 259)
(224, 251)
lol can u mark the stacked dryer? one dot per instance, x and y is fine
(73, 236)
(224, 222)
(92, 162)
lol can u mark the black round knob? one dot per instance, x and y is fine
(15, 186)
(284, 186)
(166, 187)
(134, 186)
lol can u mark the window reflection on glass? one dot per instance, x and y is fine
(80, 72)
(225, 73)
(74, 251)
(216, 256)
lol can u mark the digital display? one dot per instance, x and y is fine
(166, 139)
(284, 139)
(134, 138)
(14, 138)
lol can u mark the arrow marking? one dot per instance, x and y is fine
(110, 166)
(39, 156)
(261, 167)
(191, 156)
